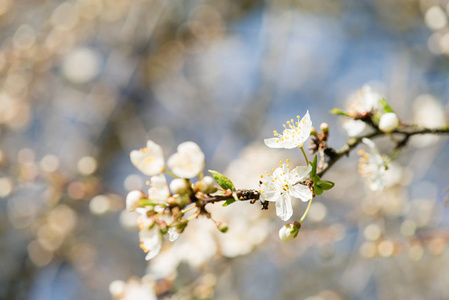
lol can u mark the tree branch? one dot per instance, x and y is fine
(407, 131)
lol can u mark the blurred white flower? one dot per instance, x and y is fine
(158, 191)
(388, 122)
(150, 240)
(372, 166)
(363, 102)
(81, 65)
(428, 112)
(132, 200)
(188, 162)
(293, 136)
(149, 160)
(284, 185)
(133, 289)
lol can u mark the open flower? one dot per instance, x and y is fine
(158, 191)
(150, 239)
(284, 185)
(363, 103)
(149, 160)
(372, 166)
(293, 136)
(188, 162)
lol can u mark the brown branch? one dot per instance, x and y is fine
(407, 131)
(242, 195)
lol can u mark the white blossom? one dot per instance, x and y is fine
(364, 101)
(188, 162)
(151, 241)
(149, 160)
(293, 136)
(372, 166)
(158, 191)
(388, 122)
(133, 289)
(283, 185)
(132, 200)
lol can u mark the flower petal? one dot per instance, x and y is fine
(302, 192)
(150, 160)
(301, 171)
(151, 241)
(284, 209)
(271, 196)
(273, 143)
(354, 127)
(188, 162)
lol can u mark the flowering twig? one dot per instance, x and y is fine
(407, 131)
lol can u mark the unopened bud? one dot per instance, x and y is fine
(313, 132)
(179, 186)
(324, 128)
(182, 200)
(388, 122)
(289, 232)
(132, 200)
(222, 227)
(207, 185)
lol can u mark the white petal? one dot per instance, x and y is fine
(153, 252)
(149, 161)
(273, 143)
(306, 126)
(354, 127)
(284, 208)
(301, 192)
(271, 196)
(151, 241)
(159, 191)
(301, 171)
(188, 162)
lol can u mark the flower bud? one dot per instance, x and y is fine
(222, 227)
(388, 122)
(179, 186)
(207, 185)
(313, 132)
(132, 200)
(289, 232)
(324, 128)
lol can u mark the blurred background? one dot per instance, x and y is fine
(84, 82)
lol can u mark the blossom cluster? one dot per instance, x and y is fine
(159, 210)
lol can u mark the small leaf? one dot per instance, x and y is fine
(325, 184)
(222, 180)
(313, 164)
(387, 108)
(337, 111)
(229, 201)
(317, 189)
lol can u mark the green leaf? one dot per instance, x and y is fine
(317, 189)
(222, 180)
(229, 201)
(387, 108)
(325, 184)
(337, 111)
(313, 164)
